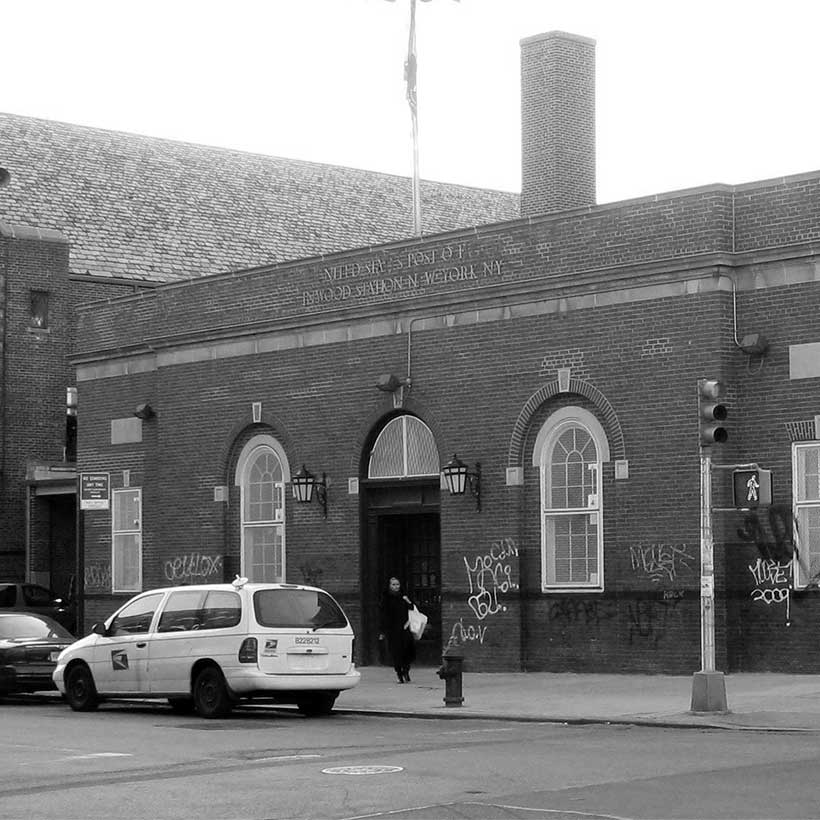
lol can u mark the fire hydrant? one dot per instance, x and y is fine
(450, 672)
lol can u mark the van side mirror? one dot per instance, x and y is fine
(99, 629)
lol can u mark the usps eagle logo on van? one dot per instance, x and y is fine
(119, 659)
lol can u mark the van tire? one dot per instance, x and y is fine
(80, 691)
(211, 697)
(317, 705)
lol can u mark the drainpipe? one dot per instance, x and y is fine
(4, 302)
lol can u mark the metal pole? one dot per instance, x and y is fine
(411, 74)
(79, 577)
(707, 568)
(708, 685)
(416, 181)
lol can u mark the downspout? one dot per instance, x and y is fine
(3, 360)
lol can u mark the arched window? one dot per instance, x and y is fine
(569, 451)
(261, 473)
(405, 448)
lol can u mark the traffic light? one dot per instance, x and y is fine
(711, 412)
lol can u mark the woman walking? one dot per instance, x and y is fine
(396, 628)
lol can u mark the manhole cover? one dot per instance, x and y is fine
(362, 770)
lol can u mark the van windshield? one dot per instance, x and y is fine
(304, 608)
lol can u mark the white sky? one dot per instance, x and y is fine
(689, 92)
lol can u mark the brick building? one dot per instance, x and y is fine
(89, 214)
(555, 356)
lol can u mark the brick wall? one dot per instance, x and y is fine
(636, 345)
(34, 374)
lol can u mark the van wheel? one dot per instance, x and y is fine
(80, 691)
(182, 706)
(211, 697)
(317, 705)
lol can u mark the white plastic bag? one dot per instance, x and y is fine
(418, 622)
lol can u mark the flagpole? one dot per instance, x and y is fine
(412, 99)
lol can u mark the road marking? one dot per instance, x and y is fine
(282, 757)
(93, 755)
(363, 770)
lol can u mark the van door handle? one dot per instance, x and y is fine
(142, 645)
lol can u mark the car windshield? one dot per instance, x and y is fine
(27, 626)
(306, 608)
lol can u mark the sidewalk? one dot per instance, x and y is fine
(770, 701)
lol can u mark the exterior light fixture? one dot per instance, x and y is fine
(458, 476)
(144, 411)
(304, 484)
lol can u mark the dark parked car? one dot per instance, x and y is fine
(29, 646)
(18, 596)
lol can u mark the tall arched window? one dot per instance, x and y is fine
(569, 451)
(261, 473)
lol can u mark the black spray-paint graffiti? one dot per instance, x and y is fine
(490, 576)
(193, 567)
(567, 611)
(649, 620)
(660, 562)
(771, 581)
(311, 574)
(771, 531)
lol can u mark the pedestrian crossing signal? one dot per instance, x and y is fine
(752, 488)
(711, 412)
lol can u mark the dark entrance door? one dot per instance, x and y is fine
(403, 539)
(409, 549)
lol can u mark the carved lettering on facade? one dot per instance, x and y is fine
(397, 275)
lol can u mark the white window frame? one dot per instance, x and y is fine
(122, 534)
(805, 539)
(547, 437)
(254, 447)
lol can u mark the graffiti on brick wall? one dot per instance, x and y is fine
(465, 634)
(490, 576)
(311, 574)
(97, 576)
(578, 611)
(771, 530)
(771, 580)
(192, 568)
(650, 621)
(660, 562)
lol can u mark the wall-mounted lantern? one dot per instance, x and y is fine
(458, 476)
(304, 486)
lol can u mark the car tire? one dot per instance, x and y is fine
(182, 706)
(211, 697)
(80, 691)
(317, 705)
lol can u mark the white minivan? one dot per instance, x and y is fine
(206, 647)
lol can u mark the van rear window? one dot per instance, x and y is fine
(305, 608)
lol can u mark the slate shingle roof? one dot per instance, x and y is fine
(148, 208)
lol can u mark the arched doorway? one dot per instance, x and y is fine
(401, 530)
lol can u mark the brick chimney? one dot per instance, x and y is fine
(557, 123)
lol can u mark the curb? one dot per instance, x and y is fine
(657, 723)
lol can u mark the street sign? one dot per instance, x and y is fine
(95, 491)
(752, 488)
